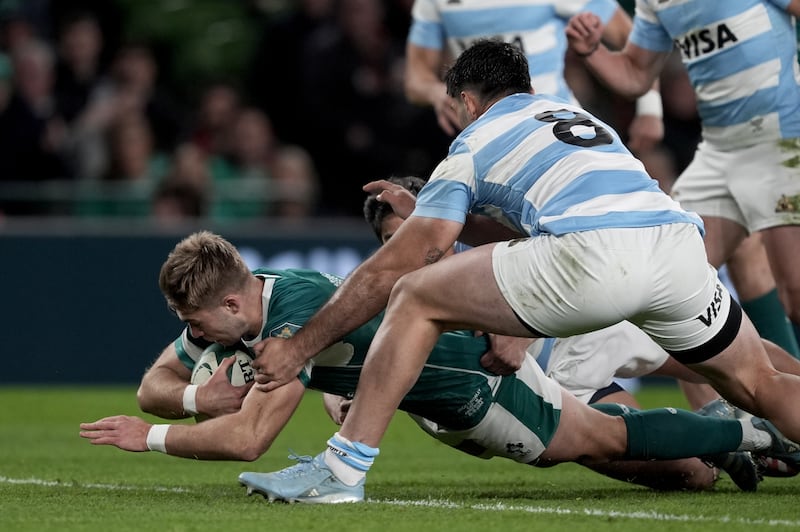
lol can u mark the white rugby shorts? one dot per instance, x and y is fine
(757, 187)
(658, 278)
(586, 363)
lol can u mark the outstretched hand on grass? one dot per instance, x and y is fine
(129, 433)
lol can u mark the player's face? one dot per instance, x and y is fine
(389, 226)
(215, 325)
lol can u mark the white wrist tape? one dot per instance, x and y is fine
(190, 399)
(157, 438)
(650, 104)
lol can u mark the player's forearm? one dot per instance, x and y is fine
(217, 439)
(421, 81)
(424, 89)
(362, 296)
(161, 393)
(245, 435)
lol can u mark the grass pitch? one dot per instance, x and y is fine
(51, 479)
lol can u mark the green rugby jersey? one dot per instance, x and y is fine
(453, 389)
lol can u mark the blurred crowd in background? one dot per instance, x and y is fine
(175, 109)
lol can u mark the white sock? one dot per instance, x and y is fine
(754, 439)
(349, 461)
(347, 474)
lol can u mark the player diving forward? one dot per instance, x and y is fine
(526, 416)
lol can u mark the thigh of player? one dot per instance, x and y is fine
(520, 423)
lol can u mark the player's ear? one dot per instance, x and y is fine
(231, 303)
(471, 103)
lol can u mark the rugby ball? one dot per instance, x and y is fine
(240, 373)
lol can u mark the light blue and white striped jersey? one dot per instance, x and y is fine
(536, 26)
(741, 57)
(542, 165)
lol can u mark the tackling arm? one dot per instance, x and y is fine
(478, 229)
(365, 292)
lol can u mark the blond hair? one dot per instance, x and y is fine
(202, 268)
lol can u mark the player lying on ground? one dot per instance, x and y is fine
(525, 416)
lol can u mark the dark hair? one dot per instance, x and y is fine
(375, 211)
(491, 68)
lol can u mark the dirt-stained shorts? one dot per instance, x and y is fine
(757, 187)
(658, 278)
(586, 363)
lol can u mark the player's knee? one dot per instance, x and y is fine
(407, 291)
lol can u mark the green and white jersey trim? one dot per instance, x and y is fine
(453, 390)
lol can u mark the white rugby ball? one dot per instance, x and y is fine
(241, 372)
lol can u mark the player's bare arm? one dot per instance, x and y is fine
(478, 229)
(616, 31)
(423, 85)
(647, 127)
(245, 435)
(630, 72)
(161, 391)
(419, 242)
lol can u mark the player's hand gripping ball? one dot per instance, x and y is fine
(241, 372)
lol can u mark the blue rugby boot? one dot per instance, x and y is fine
(309, 481)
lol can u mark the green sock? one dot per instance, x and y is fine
(669, 433)
(767, 314)
(796, 329)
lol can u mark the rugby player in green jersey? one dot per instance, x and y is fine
(525, 416)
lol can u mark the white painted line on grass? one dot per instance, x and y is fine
(648, 516)
(444, 504)
(75, 484)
